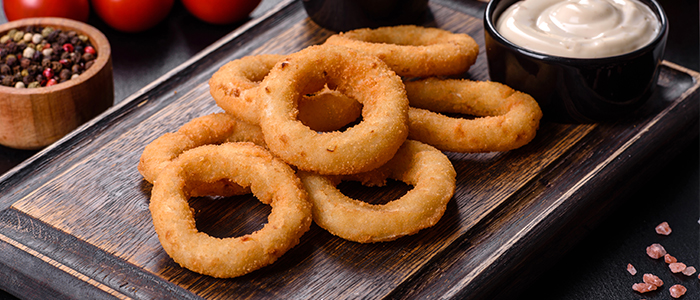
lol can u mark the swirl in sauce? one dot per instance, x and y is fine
(579, 28)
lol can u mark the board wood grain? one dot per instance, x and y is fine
(75, 218)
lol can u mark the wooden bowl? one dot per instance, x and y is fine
(34, 118)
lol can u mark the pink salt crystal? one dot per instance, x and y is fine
(663, 228)
(689, 271)
(677, 291)
(643, 287)
(656, 251)
(652, 279)
(676, 267)
(631, 269)
(669, 259)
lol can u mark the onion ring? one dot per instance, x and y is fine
(233, 85)
(272, 182)
(210, 129)
(508, 119)
(414, 51)
(362, 147)
(426, 168)
(234, 88)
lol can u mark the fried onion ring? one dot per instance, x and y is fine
(362, 147)
(429, 171)
(414, 51)
(233, 85)
(234, 88)
(272, 182)
(508, 119)
(210, 129)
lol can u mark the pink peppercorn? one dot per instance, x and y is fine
(90, 49)
(68, 48)
(51, 82)
(48, 73)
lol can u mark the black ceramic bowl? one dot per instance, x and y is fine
(576, 90)
(344, 15)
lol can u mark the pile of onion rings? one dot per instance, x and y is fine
(366, 105)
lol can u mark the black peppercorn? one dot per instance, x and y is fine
(11, 47)
(11, 60)
(5, 69)
(62, 38)
(7, 80)
(25, 62)
(65, 74)
(88, 57)
(75, 57)
(56, 66)
(37, 56)
(46, 63)
(51, 37)
(32, 70)
(56, 48)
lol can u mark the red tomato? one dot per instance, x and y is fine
(220, 11)
(71, 9)
(132, 15)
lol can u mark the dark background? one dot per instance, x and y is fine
(595, 268)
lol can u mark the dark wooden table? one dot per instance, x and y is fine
(591, 269)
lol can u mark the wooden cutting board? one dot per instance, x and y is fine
(74, 219)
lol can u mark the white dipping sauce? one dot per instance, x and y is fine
(579, 28)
